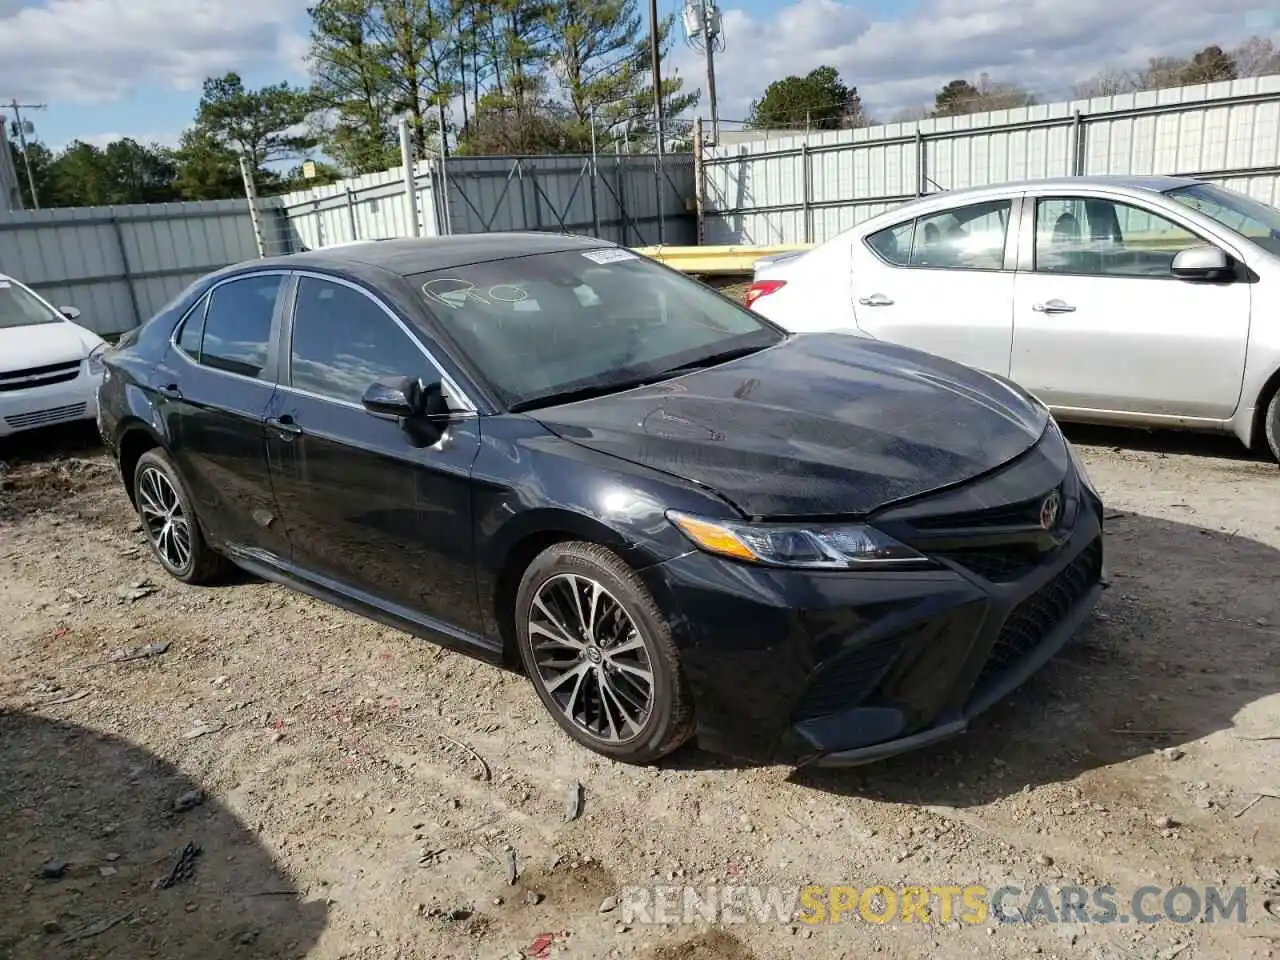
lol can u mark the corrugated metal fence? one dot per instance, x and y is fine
(612, 196)
(811, 187)
(120, 265)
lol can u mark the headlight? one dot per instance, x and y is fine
(821, 546)
(95, 359)
(1081, 472)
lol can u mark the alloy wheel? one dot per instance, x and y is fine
(591, 659)
(166, 523)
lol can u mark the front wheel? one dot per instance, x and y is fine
(601, 655)
(1271, 424)
(168, 520)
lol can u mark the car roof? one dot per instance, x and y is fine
(410, 256)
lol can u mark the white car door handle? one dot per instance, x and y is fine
(1053, 306)
(876, 300)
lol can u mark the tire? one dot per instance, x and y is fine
(634, 638)
(1271, 424)
(165, 511)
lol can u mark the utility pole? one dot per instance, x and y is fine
(710, 31)
(17, 109)
(655, 57)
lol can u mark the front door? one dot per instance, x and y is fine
(938, 283)
(216, 384)
(1101, 323)
(367, 511)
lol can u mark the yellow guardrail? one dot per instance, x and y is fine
(713, 260)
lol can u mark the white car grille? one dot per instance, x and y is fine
(39, 376)
(36, 418)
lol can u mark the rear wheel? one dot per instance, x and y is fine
(168, 520)
(1271, 424)
(600, 654)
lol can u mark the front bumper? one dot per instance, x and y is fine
(841, 669)
(48, 405)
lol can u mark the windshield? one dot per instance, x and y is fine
(1246, 216)
(553, 327)
(19, 307)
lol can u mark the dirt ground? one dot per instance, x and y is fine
(345, 791)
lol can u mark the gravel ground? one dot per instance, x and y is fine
(350, 792)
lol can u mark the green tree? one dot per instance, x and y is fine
(961, 97)
(139, 173)
(41, 159)
(593, 48)
(630, 119)
(820, 99)
(262, 124)
(207, 169)
(352, 82)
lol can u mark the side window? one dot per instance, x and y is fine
(237, 325)
(1087, 235)
(964, 238)
(893, 244)
(193, 329)
(343, 342)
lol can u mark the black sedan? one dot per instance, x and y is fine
(680, 520)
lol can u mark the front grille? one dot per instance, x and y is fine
(1032, 620)
(848, 679)
(997, 564)
(1023, 514)
(39, 376)
(38, 417)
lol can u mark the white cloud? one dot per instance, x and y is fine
(97, 51)
(1045, 45)
(165, 139)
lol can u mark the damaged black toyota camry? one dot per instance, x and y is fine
(679, 520)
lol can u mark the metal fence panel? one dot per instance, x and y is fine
(120, 265)
(810, 186)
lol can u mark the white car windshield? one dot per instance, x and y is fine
(1246, 216)
(20, 308)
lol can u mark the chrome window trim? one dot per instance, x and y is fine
(1006, 265)
(206, 298)
(312, 395)
(446, 380)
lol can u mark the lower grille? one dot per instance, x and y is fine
(848, 679)
(1032, 620)
(53, 415)
(997, 564)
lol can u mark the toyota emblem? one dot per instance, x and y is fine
(1050, 508)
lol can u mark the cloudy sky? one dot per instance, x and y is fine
(110, 68)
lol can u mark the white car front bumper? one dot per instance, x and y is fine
(43, 406)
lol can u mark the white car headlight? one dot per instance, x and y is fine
(812, 546)
(95, 360)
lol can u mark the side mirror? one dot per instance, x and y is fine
(1201, 263)
(401, 398)
(71, 313)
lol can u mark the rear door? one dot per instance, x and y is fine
(218, 380)
(942, 282)
(1101, 323)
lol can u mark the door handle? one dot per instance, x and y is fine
(1053, 306)
(876, 300)
(170, 391)
(285, 426)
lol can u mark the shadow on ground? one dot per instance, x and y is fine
(89, 835)
(1181, 643)
(1162, 442)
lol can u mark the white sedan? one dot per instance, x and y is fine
(1151, 301)
(50, 366)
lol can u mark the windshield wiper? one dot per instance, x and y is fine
(585, 392)
(711, 360)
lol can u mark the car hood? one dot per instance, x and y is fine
(819, 425)
(40, 344)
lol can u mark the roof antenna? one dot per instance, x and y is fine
(936, 184)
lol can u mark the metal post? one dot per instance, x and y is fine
(410, 183)
(921, 177)
(699, 182)
(622, 198)
(806, 183)
(444, 181)
(1077, 145)
(127, 270)
(251, 194)
(22, 145)
(655, 56)
(351, 212)
(595, 172)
